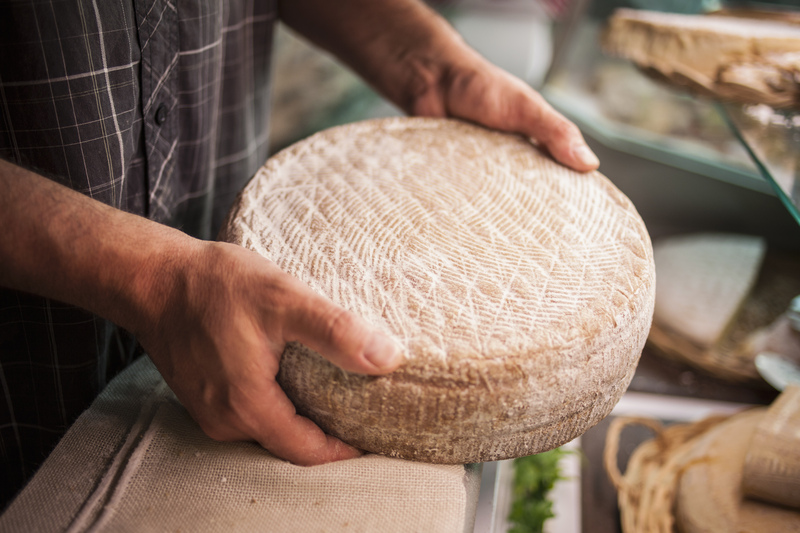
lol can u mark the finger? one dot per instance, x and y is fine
(499, 100)
(551, 129)
(273, 422)
(340, 336)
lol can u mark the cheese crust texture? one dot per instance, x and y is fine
(520, 291)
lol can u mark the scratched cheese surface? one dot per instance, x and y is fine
(520, 291)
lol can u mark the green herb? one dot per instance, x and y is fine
(534, 477)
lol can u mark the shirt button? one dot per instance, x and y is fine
(161, 114)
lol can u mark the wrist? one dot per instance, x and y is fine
(153, 275)
(63, 245)
(403, 48)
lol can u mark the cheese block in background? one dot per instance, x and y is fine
(520, 291)
(720, 300)
(771, 471)
(740, 59)
(703, 280)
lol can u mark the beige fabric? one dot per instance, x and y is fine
(520, 291)
(135, 461)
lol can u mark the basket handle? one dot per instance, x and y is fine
(612, 444)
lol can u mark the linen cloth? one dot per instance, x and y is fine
(136, 461)
(156, 107)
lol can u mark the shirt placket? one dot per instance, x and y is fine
(157, 24)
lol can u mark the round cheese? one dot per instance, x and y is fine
(520, 291)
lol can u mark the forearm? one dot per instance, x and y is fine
(402, 47)
(63, 245)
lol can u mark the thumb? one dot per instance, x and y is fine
(340, 336)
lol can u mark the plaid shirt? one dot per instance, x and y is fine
(156, 107)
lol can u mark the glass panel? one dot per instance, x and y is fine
(752, 146)
(772, 138)
(617, 104)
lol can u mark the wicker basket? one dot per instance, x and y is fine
(647, 490)
(694, 477)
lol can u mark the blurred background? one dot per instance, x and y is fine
(672, 153)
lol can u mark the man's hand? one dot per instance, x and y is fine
(213, 317)
(218, 339)
(416, 59)
(480, 92)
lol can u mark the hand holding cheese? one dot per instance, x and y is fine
(213, 317)
(218, 343)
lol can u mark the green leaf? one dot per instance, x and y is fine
(534, 477)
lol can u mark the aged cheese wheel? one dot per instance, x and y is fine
(740, 59)
(520, 291)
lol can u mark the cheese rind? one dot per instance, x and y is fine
(520, 291)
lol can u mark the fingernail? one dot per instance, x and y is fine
(584, 154)
(382, 351)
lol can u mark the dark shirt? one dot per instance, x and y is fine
(158, 108)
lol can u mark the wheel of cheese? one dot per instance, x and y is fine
(520, 291)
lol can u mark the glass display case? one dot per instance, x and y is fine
(688, 164)
(772, 140)
(750, 146)
(615, 104)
